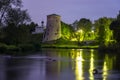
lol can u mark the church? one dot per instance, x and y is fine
(39, 29)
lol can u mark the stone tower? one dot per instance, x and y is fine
(53, 28)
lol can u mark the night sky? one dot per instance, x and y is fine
(71, 10)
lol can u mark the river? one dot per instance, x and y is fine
(61, 64)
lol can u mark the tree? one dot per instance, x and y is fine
(67, 31)
(78, 35)
(5, 6)
(23, 34)
(17, 35)
(10, 34)
(14, 20)
(17, 16)
(85, 25)
(32, 26)
(104, 34)
(115, 26)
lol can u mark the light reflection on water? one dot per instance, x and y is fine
(91, 65)
(78, 66)
(60, 64)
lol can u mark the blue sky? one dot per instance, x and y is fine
(71, 10)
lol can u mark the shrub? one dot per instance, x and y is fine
(26, 47)
(3, 47)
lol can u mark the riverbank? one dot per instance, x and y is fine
(69, 46)
(28, 48)
(20, 49)
(25, 49)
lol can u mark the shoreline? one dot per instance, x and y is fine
(70, 47)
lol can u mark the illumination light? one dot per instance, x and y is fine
(92, 31)
(80, 31)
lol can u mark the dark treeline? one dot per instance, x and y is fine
(16, 28)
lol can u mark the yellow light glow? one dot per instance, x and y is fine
(92, 31)
(105, 73)
(73, 39)
(105, 68)
(78, 66)
(80, 31)
(91, 65)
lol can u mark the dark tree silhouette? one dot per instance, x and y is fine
(115, 26)
(5, 6)
(17, 16)
(85, 25)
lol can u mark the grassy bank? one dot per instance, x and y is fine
(68, 46)
(21, 49)
(27, 48)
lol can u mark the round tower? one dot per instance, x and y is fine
(53, 28)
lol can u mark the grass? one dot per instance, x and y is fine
(22, 49)
(68, 46)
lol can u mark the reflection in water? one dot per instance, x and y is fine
(105, 73)
(92, 61)
(26, 69)
(82, 65)
(2, 68)
(91, 65)
(108, 65)
(70, 64)
(79, 65)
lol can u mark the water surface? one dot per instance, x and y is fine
(60, 64)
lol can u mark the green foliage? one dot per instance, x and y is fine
(104, 34)
(111, 47)
(8, 48)
(20, 39)
(32, 26)
(10, 33)
(66, 31)
(63, 41)
(86, 26)
(6, 6)
(115, 26)
(3, 47)
(37, 38)
(17, 16)
(26, 47)
(78, 36)
(16, 35)
(15, 50)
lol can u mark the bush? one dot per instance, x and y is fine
(37, 46)
(8, 49)
(110, 48)
(26, 47)
(13, 48)
(3, 47)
